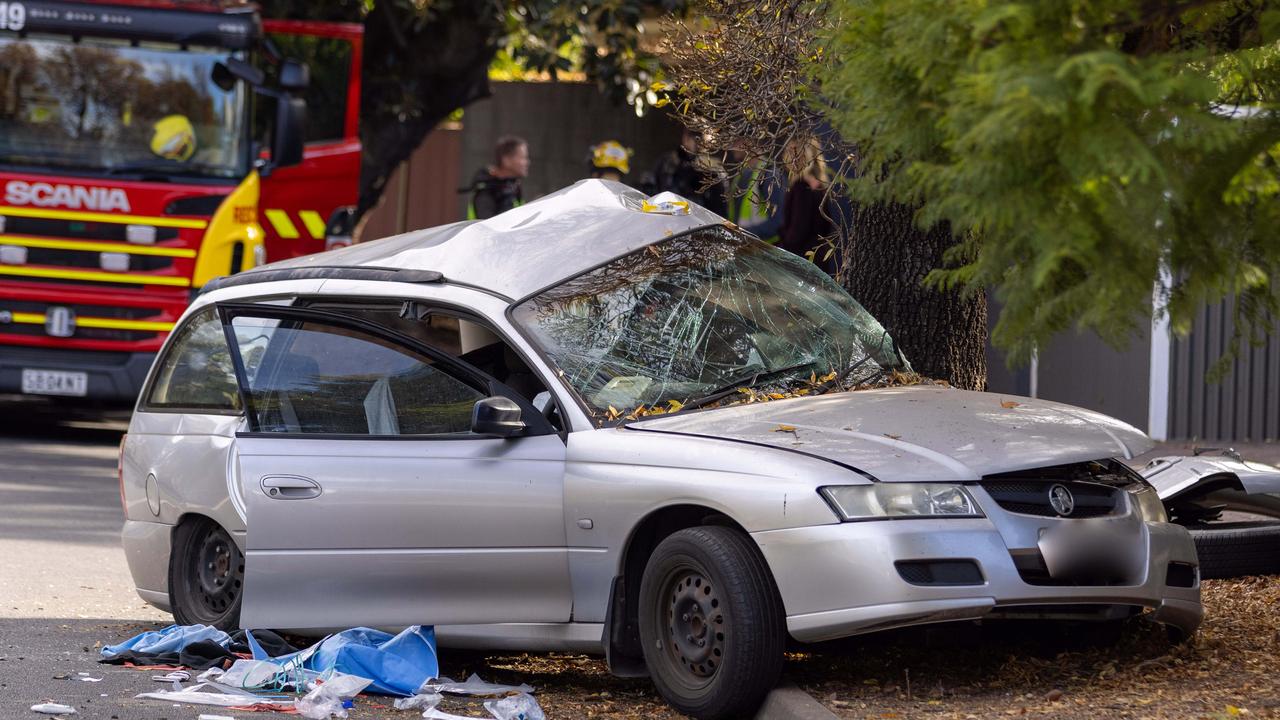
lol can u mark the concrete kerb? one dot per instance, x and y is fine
(788, 702)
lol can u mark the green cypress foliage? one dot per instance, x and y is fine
(1078, 148)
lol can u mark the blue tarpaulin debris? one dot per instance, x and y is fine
(168, 640)
(397, 664)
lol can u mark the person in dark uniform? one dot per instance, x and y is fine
(496, 188)
(692, 174)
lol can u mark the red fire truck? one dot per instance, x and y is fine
(147, 147)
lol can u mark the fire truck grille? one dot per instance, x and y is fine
(75, 229)
(10, 309)
(92, 260)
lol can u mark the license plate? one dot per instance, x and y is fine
(54, 382)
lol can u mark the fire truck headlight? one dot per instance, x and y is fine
(140, 234)
(13, 255)
(114, 262)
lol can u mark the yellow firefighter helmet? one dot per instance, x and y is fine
(611, 154)
(173, 138)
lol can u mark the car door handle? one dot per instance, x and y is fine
(290, 487)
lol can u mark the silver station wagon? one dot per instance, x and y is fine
(612, 423)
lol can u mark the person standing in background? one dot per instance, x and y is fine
(496, 189)
(692, 174)
(806, 228)
(759, 193)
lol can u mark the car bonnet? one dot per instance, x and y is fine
(919, 433)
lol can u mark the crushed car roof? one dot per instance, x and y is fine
(530, 247)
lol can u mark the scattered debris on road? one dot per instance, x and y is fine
(52, 708)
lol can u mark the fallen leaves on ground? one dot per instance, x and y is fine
(1032, 669)
(1231, 668)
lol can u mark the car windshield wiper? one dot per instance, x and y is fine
(843, 374)
(729, 388)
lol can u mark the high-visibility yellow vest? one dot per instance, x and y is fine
(753, 208)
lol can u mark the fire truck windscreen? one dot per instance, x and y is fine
(104, 106)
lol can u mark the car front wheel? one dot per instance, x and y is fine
(206, 575)
(711, 623)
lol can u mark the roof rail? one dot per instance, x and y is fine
(324, 272)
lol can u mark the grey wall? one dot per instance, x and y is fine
(1079, 369)
(1000, 377)
(561, 121)
(1244, 406)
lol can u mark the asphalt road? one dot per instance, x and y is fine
(64, 586)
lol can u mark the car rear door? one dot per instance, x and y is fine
(368, 499)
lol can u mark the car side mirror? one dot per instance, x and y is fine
(226, 72)
(497, 417)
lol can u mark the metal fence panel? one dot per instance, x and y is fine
(1244, 405)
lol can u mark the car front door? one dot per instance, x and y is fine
(369, 500)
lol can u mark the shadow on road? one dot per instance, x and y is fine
(27, 419)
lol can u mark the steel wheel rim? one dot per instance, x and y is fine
(692, 620)
(218, 571)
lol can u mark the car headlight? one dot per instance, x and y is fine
(1148, 502)
(900, 500)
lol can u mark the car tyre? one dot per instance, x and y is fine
(1234, 549)
(711, 623)
(206, 575)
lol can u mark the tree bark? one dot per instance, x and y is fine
(886, 258)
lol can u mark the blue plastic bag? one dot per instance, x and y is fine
(397, 664)
(171, 639)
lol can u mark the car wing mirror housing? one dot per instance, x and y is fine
(497, 417)
(291, 122)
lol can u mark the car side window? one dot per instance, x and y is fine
(315, 378)
(196, 373)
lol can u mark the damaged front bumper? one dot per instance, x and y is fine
(851, 578)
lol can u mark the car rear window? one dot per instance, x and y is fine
(196, 373)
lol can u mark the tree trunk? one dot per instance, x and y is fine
(419, 67)
(416, 73)
(886, 258)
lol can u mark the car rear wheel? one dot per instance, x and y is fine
(711, 623)
(206, 575)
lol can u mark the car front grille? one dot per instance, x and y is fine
(1095, 488)
(1032, 497)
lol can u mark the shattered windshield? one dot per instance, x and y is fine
(703, 317)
